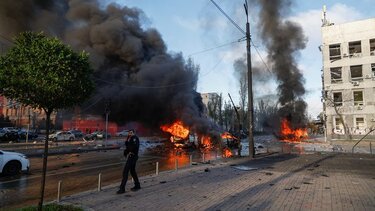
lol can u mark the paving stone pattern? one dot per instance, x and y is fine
(280, 182)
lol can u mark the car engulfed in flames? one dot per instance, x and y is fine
(182, 137)
(180, 134)
(288, 134)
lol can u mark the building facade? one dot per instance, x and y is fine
(209, 98)
(349, 78)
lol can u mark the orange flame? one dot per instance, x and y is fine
(227, 153)
(227, 135)
(206, 142)
(292, 135)
(176, 129)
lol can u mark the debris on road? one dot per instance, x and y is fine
(245, 168)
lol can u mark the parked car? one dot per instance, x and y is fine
(62, 136)
(7, 136)
(10, 129)
(12, 163)
(31, 134)
(77, 133)
(122, 133)
(96, 135)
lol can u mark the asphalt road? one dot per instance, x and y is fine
(79, 172)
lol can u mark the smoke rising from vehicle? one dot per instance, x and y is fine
(283, 39)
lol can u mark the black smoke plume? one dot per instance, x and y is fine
(133, 71)
(283, 40)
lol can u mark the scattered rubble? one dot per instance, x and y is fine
(269, 173)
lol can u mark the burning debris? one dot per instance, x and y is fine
(227, 152)
(227, 135)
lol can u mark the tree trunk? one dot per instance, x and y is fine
(45, 156)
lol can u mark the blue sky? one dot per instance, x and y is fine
(191, 26)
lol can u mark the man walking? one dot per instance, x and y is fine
(131, 152)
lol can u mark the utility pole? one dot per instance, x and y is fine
(249, 84)
(249, 74)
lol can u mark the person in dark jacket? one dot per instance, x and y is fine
(131, 152)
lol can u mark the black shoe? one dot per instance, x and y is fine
(135, 188)
(121, 191)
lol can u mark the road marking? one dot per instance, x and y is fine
(73, 171)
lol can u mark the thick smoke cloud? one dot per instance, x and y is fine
(283, 40)
(133, 70)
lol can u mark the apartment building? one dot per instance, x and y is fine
(349, 78)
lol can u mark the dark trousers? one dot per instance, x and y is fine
(130, 166)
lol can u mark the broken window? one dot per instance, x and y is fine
(338, 124)
(373, 70)
(355, 48)
(336, 74)
(337, 98)
(360, 122)
(334, 52)
(358, 98)
(356, 73)
(372, 47)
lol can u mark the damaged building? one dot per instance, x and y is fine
(349, 78)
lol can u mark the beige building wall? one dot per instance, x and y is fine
(349, 77)
(208, 97)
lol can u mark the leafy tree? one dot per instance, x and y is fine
(43, 73)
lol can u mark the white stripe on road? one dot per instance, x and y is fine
(68, 172)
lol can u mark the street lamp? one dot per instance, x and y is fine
(107, 111)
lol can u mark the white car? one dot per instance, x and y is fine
(122, 133)
(12, 163)
(62, 136)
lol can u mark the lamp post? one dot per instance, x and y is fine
(107, 111)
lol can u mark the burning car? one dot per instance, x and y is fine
(288, 134)
(180, 135)
(182, 142)
(230, 140)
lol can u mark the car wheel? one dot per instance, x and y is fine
(12, 168)
(54, 139)
(71, 138)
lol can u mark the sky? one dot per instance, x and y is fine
(197, 29)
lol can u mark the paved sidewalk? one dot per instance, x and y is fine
(280, 182)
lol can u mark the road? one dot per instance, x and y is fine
(79, 172)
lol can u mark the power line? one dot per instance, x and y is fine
(161, 86)
(256, 49)
(144, 87)
(219, 46)
(214, 67)
(89, 106)
(7, 39)
(232, 21)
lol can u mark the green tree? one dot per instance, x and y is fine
(43, 73)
